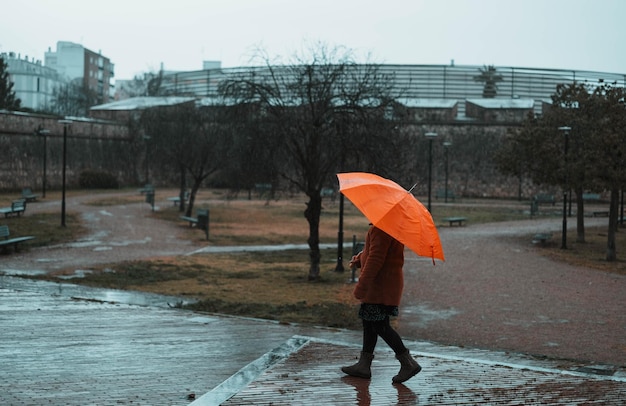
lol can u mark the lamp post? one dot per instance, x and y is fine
(446, 145)
(566, 130)
(430, 137)
(65, 124)
(339, 267)
(44, 133)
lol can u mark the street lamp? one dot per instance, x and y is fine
(65, 124)
(566, 130)
(339, 267)
(44, 133)
(446, 145)
(430, 137)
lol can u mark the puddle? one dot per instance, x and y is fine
(88, 293)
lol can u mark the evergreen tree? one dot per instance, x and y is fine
(7, 95)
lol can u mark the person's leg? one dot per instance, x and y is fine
(383, 329)
(408, 366)
(362, 368)
(370, 336)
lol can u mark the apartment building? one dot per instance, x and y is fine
(75, 62)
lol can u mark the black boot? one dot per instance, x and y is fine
(362, 368)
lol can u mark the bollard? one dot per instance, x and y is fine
(356, 248)
(150, 198)
(203, 221)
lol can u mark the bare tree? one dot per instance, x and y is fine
(315, 108)
(191, 140)
(73, 99)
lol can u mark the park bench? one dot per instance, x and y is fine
(541, 238)
(17, 208)
(441, 194)
(262, 189)
(328, 192)
(148, 188)
(458, 220)
(546, 198)
(5, 241)
(28, 195)
(176, 199)
(600, 213)
(201, 221)
(591, 197)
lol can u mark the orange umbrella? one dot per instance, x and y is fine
(394, 210)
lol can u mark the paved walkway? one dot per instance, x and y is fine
(70, 345)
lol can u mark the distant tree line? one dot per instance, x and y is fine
(578, 145)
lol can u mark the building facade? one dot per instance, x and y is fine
(75, 62)
(33, 83)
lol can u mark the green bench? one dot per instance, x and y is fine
(6, 241)
(176, 199)
(201, 221)
(17, 208)
(28, 195)
(591, 197)
(148, 188)
(441, 194)
(542, 238)
(542, 198)
(262, 189)
(457, 220)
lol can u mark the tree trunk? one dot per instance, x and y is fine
(182, 194)
(183, 186)
(611, 252)
(312, 214)
(580, 215)
(192, 196)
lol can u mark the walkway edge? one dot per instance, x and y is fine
(250, 372)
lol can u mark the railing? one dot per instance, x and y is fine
(420, 81)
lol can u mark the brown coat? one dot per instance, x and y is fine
(381, 279)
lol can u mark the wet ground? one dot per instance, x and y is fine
(60, 346)
(493, 303)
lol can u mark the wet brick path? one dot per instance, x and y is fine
(311, 374)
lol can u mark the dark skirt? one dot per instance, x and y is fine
(376, 312)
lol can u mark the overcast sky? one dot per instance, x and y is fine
(139, 35)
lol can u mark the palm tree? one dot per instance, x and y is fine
(490, 78)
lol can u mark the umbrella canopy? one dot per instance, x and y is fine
(394, 210)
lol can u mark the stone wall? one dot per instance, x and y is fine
(91, 144)
(112, 147)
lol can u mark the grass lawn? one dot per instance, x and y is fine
(274, 285)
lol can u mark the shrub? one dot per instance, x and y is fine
(92, 179)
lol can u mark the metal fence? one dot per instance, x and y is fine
(421, 81)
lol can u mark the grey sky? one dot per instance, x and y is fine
(139, 35)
